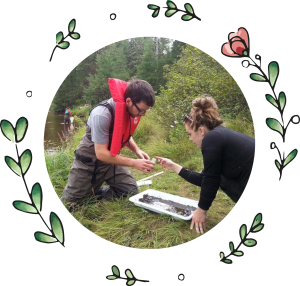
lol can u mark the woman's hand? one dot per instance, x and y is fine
(141, 154)
(169, 164)
(198, 220)
(165, 163)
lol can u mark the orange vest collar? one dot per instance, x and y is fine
(124, 125)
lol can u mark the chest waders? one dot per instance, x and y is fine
(85, 159)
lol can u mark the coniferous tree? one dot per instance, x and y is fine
(67, 92)
(111, 63)
(143, 57)
(147, 69)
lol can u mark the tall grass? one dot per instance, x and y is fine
(122, 222)
(148, 130)
(81, 111)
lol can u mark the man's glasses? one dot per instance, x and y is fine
(139, 110)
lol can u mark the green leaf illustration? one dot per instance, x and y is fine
(228, 261)
(24, 207)
(111, 277)
(274, 125)
(250, 242)
(258, 228)
(130, 282)
(188, 7)
(75, 36)
(43, 237)
(21, 128)
(25, 161)
(72, 25)
(231, 246)
(221, 255)
(12, 164)
(290, 157)
(57, 227)
(257, 220)
(59, 37)
(152, 7)
(271, 99)
(186, 17)
(155, 14)
(257, 77)
(37, 196)
(238, 253)
(171, 4)
(243, 231)
(273, 73)
(64, 45)
(8, 130)
(282, 100)
(128, 273)
(170, 12)
(277, 164)
(116, 270)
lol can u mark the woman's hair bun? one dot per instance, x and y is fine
(205, 111)
(204, 103)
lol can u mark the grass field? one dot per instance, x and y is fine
(124, 223)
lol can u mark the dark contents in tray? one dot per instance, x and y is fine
(171, 206)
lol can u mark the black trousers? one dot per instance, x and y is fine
(67, 119)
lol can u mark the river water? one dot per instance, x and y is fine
(55, 131)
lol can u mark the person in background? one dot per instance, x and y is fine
(227, 157)
(67, 115)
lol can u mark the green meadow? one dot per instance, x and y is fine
(123, 223)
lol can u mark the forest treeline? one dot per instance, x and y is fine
(178, 73)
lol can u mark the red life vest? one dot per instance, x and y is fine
(124, 125)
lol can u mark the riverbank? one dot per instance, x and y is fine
(121, 221)
(56, 132)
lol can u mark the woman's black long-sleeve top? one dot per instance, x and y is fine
(225, 153)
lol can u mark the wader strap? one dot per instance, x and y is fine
(114, 177)
(83, 159)
(93, 181)
(111, 128)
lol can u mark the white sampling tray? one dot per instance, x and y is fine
(161, 207)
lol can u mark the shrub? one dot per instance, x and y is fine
(241, 124)
(193, 75)
(81, 112)
(78, 122)
(148, 129)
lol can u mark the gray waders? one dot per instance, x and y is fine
(88, 173)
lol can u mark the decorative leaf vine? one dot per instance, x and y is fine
(249, 242)
(60, 39)
(238, 45)
(20, 167)
(172, 9)
(131, 279)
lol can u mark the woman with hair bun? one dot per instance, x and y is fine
(227, 156)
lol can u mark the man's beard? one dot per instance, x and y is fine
(130, 113)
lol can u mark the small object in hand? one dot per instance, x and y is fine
(153, 160)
